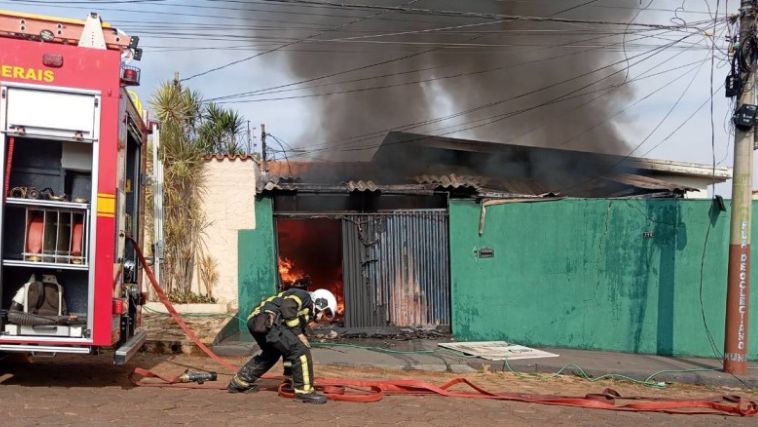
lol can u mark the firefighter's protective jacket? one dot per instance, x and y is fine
(294, 307)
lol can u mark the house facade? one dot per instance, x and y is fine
(636, 265)
(643, 276)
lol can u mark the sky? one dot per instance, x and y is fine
(664, 116)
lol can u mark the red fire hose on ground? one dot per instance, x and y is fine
(347, 390)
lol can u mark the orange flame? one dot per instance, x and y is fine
(287, 271)
(336, 288)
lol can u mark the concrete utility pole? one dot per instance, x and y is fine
(738, 287)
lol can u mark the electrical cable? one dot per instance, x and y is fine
(623, 110)
(713, 123)
(379, 133)
(465, 14)
(284, 151)
(316, 35)
(372, 88)
(709, 335)
(283, 46)
(636, 15)
(681, 125)
(509, 115)
(578, 6)
(589, 101)
(638, 146)
(392, 60)
(205, 16)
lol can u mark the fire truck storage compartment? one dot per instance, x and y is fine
(49, 151)
(52, 113)
(46, 213)
(46, 226)
(75, 294)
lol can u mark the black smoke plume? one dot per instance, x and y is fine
(498, 82)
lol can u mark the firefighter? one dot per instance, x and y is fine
(278, 325)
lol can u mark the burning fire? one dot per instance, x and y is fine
(289, 273)
(336, 288)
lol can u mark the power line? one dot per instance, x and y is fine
(602, 92)
(385, 62)
(629, 106)
(375, 134)
(638, 146)
(384, 9)
(69, 5)
(229, 64)
(373, 88)
(465, 14)
(529, 93)
(577, 93)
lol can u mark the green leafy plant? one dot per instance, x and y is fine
(177, 297)
(190, 129)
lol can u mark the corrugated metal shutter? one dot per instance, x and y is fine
(396, 269)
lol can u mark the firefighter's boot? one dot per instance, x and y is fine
(312, 397)
(239, 385)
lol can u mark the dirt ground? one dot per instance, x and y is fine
(91, 391)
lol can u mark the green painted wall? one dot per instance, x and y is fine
(257, 260)
(580, 274)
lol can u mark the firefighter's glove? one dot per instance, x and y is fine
(303, 339)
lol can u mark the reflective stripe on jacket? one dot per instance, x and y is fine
(293, 305)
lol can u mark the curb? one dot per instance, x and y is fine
(460, 365)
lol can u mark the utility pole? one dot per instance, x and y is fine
(263, 147)
(738, 285)
(249, 140)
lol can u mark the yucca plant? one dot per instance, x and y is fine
(179, 113)
(221, 129)
(189, 130)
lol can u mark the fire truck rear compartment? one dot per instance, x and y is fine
(45, 233)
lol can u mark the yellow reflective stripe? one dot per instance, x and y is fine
(292, 323)
(307, 387)
(304, 312)
(263, 302)
(239, 381)
(297, 300)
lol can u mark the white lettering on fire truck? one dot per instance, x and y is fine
(23, 73)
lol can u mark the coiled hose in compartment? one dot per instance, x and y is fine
(27, 319)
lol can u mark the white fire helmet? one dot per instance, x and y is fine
(324, 300)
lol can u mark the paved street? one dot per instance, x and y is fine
(91, 391)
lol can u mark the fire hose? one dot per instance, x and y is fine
(349, 390)
(8, 165)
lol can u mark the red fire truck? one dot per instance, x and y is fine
(73, 147)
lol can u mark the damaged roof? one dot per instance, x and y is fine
(462, 153)
(422, 164)
(538, 170)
